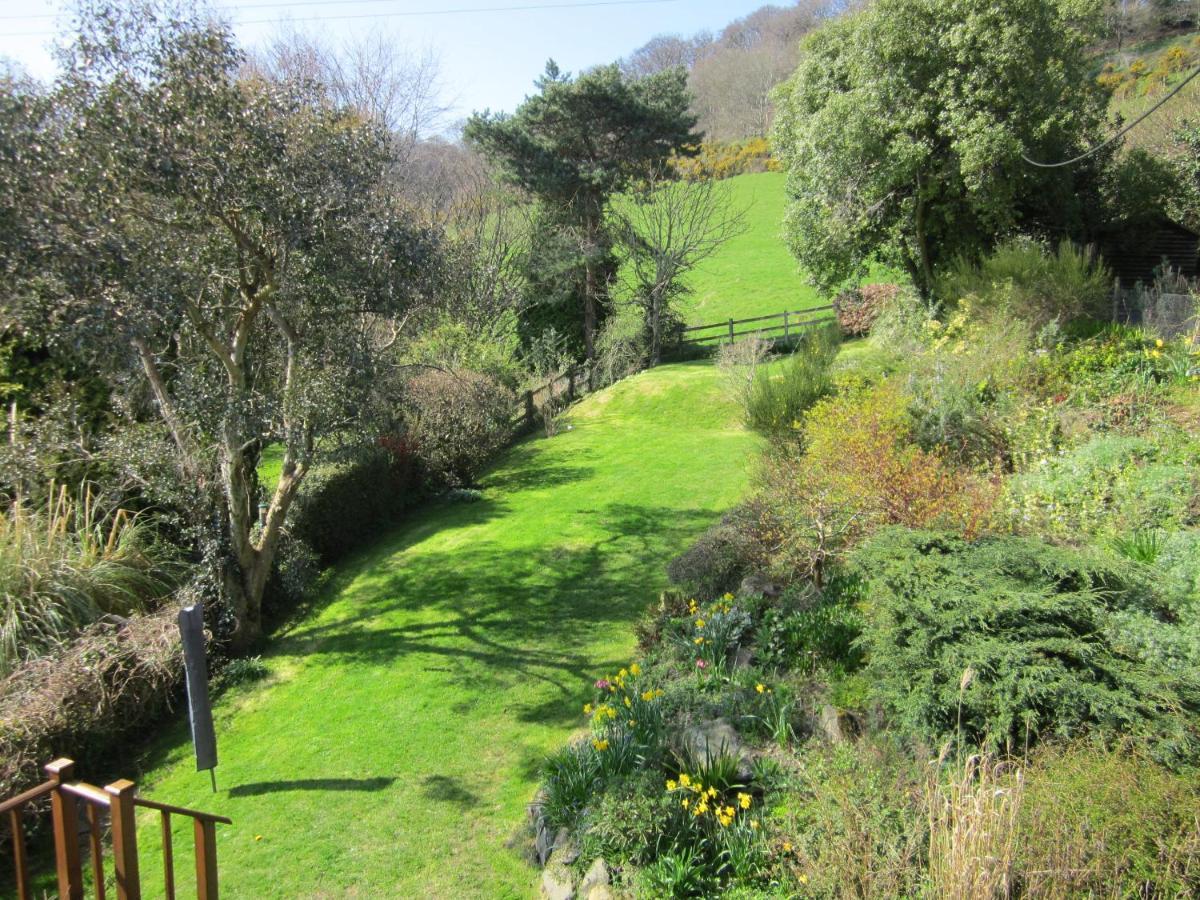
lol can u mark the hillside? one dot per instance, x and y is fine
(399, 734)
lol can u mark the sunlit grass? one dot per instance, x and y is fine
(397, 740)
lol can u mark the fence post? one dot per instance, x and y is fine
(731, 332)
(66, 831)
(124, 838)
(206, 859)
(787, 328)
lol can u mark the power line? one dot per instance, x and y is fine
(587, 4)
(1120, 134)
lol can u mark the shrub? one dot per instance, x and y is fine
(68, 565)
(1117, 360)
(778, 400)
(717, 560)
(89, 695)
(1110, 822)
(458, 421)
(1025, 280)
(1006, 640)
(569, 780)
(816, 637)
(859, 473)
(1112, 485)
(343, 505)
(858, 309)
(725, 160)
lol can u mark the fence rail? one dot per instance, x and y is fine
(119, 802)
(787, 322)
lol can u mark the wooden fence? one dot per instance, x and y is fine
(563, 389)
(782, 326)
(119, 802)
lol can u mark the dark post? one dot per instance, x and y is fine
(731, 332)
(204, 736)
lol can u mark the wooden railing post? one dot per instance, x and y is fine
(787, 331)
(731, 332)
(206, 859)
(124, 838)
(66, 831)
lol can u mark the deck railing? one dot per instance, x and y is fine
(119, 803)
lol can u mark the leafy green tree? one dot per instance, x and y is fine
(904, 126)
(575, 144)
(229, 246)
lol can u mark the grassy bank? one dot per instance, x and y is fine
(396, 739)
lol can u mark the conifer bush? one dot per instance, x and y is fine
(1007, 640)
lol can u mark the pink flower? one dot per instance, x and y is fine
(701, 664)
(602, 684)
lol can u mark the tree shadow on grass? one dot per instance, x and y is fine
(444, 789)
(508, 615)
(257, 788)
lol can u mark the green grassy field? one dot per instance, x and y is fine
(753, 274)
(397, 739)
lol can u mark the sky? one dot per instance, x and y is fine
(488, 51)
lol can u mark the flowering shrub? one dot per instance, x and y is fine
(858, 309)
(1110, 485)
(859, 473)
(724, 160)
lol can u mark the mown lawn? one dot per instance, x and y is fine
(754, 274)
(392, 749)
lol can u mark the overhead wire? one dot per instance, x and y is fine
(383, 14)
(1120, 134)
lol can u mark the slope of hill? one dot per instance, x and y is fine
(393, 747)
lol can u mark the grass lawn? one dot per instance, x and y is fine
(397, 739)
(754, 274)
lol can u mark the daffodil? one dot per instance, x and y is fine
(760, 687)
(699, 623)
(587, 709)
(744, 801)
(685, 779)
(754, 824)
(685, 802)
(672, 784)
(712, 792)
(635, 670)
(600, 745)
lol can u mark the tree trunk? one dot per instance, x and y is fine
(925, 283)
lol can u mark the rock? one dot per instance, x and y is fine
(565, 851)
(599, 892)
(709, 740)
(758, 585)
(597, 876)
(542, 845)
(742, 658)
(557, 883)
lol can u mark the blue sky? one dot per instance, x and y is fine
(487, 59)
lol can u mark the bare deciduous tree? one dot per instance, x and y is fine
(670, 227)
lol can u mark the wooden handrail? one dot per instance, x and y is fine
(88, 793)
(34, 793)
(118, 801)
(180, 811)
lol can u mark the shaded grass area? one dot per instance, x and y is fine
(394, 745)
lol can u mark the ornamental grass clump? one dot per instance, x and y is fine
(67, 565)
